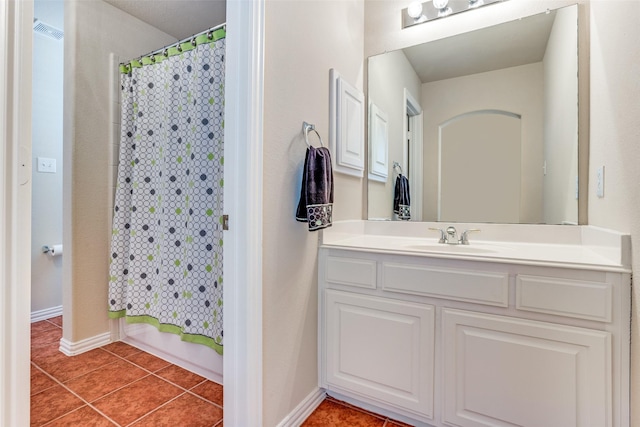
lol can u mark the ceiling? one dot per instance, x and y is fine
(506, 45)
(178, 18)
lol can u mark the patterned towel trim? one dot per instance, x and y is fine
(404, 212)
(319, 216)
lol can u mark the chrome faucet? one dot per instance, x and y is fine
(464, 239)
(450, 235)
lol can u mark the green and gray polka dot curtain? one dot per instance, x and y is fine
(166, 247)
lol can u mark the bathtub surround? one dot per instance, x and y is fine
(94, 30)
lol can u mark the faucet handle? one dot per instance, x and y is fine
(464, 239)
(443, 236)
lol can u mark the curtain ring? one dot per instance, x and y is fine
(193, 41)
(306, 127)
(166, 53)
(210, 35)
(152, 58)
(179, 48)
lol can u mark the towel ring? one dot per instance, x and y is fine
(306, 127)
(396, 165)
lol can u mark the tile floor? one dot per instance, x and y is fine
(114, 385)
(335, 413)
(120, 385)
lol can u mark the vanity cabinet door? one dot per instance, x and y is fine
(502, 371)
(380, 349)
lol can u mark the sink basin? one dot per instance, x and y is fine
(457, 249)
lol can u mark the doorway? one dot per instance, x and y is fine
(243, 302)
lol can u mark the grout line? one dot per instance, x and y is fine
(45, 373)
(89, 404)
(155, 409)
(75, 410)
(205, 399)
(86, 403)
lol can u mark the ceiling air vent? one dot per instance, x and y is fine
(47, 30)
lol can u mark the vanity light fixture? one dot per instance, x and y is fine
(418, 13)
(414, 10)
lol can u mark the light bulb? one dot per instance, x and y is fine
(415, 10)
(440, 4)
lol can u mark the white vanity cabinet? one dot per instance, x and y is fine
(475, 343)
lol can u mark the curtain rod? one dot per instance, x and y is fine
(178, 43)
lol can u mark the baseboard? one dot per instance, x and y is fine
(45, 314)
(74, 348)
(304, 409)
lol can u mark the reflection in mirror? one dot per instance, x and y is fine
(484, 124)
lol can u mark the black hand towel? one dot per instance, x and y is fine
(401, 199)
(316, 194)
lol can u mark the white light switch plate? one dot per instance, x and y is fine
(600, 182)
(46, 165)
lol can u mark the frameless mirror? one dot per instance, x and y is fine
(484, 125)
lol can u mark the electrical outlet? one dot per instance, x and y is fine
(600, 182)
(46, 165)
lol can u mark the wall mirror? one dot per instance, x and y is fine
(484, 125)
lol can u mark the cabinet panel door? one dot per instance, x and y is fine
(502, 371)
(381, 349)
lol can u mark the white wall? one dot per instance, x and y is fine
(388, 76)
(46, 216)
(93, 30)
(516, 90)
(561, 119)
(303, 40)
(615, 136)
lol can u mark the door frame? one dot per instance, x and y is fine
(243, 188)
(16, 20)
(243, 314)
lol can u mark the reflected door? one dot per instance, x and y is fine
(480, 163)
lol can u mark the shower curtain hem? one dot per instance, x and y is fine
(167, 327)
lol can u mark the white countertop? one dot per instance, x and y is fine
(560, 246)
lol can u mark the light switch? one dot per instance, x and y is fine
(600, 182)
(46, 165)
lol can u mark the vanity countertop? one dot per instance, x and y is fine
(556, 246)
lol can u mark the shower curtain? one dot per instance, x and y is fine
(166, 247)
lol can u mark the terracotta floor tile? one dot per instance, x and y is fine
(48, 353)
(135, 400)
(56, 321)
(84, 416)
(121, 349)
(348, 405)
(211, 391)
(333, 414)
(51, 404)
(179, 376)
(393, 423)
(39, 381)
(186, 411)
(148, 361)
(66, 368)
(105, 379)
(43, 325)
(41, 336)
